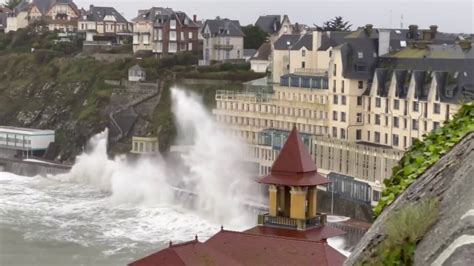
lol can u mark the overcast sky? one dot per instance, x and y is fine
(450, 16)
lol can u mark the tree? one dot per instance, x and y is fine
(335, 24)
(254, 37)
(11, 3)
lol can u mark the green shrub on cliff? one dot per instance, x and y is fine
(423, 154)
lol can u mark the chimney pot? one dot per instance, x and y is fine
(194, 18)
(368, 29)
(465, 44)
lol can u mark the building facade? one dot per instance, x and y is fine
(223, 41)
(104, 24)
(58, 15)
(164, 31)
(145, 145)
(25, 142)
(360, 108)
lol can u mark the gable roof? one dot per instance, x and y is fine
(269, 23)
(294, 165)
(136, 67)
(249, 52)
(281, 43)
(45, 5)
(223, 27)
(165, 14)
(99, 13)
(237, 248)
(263, 52)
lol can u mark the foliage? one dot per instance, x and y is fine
(403, 230)
(423, 154)
(335, 24)
(254, 37)
(11, 3)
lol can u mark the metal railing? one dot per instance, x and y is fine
(312, 71)
(286, 222)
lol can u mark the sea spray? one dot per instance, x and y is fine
(214, 171)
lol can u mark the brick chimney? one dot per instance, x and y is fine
(465, 44)
(194, 18)
(412, 31)
(427, 35)
(368, 29)
(434, 30)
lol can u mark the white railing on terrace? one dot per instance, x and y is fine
(243, 96)
(312, 71)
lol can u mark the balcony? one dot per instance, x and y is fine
(223, 46)
(285, 222)
(311, 71)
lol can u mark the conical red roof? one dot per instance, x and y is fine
(294, 165)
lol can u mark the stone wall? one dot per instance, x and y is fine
(19, 167)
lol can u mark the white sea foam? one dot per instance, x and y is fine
(116, 206)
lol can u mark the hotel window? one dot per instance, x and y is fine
(190, 35)
(377, 119)
(405, 123)
(343, 133)
(334, 115)
(343, 117)
(342, 86)
(386, 121)
(361, 84)
(368, 135)
(414, 125)
(435, 125)
(378, 102)
(360, 55)
(182, 36)
(334, 86)
(416, 107)
(172, 47)
(425, 125)
(334, 70)
(395, 140)
(343, 99)
(396, 104)
(368, 119)
(436, 108)
(358, 134)
(334, 99)
(359, 100)
(303, 53)
(386, 138)
(396, 122)
(172, 35)
(173, 24)
(303, 64)
(404, 141)
(359, 117)
(334, 132)
(377, 137)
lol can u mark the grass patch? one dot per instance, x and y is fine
(404, 229)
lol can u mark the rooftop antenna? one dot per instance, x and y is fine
(401, 22)
(390, 19)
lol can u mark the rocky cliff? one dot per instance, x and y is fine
(432, 221)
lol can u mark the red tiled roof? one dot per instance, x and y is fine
(250, 249)
(236, 248)
(294, 165)
(315, 234)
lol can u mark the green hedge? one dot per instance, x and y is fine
(423, 154)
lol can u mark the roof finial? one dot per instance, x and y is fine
(171, 243)
(196, 237)
(222, 228)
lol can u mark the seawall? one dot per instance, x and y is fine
(26, 168)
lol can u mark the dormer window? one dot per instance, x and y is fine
(360, 55)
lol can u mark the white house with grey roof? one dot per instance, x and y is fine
(60, 15)
(104, 24)
(223, 40)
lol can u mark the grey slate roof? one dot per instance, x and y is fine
(223, 27)
(332, 39)
(44, 5)
(164, 14)
(281, 43)
(3, 21)
(98, 13)
(249, 52)
(263, 52)
(269, 23)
